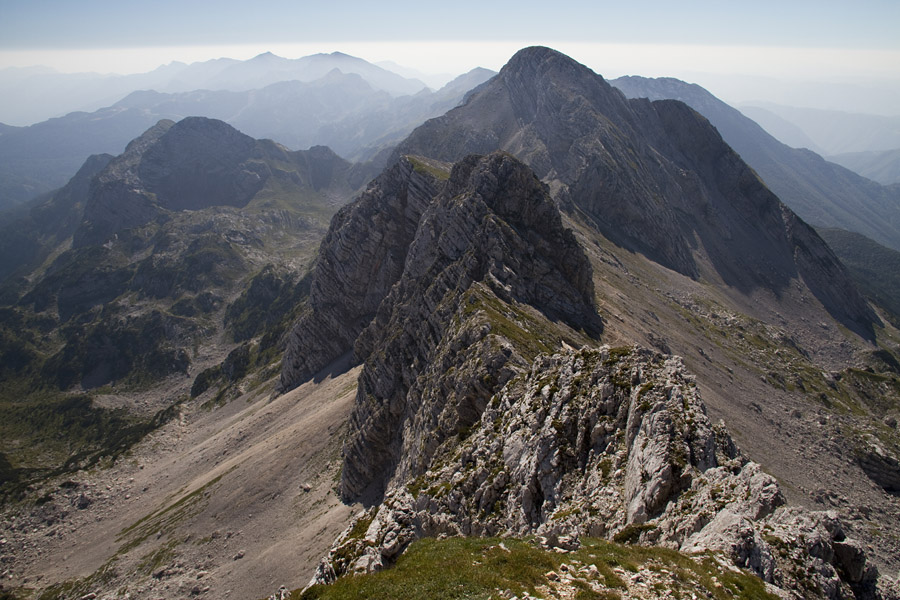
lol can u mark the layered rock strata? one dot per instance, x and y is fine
(491, 278)
(359, 260)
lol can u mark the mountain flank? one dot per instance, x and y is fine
(823, 193)
(715, 209)
(152, 278)
(654, 177)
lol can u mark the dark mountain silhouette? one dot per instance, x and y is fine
(822, 193)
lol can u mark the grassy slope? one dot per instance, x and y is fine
(486, 567)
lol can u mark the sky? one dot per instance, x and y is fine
(724, 45)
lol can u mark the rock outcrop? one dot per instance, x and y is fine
(490, 279)
(610, 442)
(474, 415)
(431, 273)
(359, 260)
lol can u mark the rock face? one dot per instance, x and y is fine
(490, 270)
(361, 257)
(424, 284)
(611, 442)
(655, 177)
(474, 414)
(821, 192)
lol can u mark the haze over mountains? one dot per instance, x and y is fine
(823, 193)
(335, 100)
(34, 94)
(560, 310)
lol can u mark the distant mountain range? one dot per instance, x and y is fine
(573, 320)
(36, 94)
(350, 112)
(827, 132)
(883, 167)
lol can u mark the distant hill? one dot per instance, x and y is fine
(883, 167)
(822, 193)
(151, 265)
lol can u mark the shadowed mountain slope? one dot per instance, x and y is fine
(821, 192)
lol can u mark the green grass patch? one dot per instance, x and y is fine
(478, 568)
(424, 166)
(448, 569)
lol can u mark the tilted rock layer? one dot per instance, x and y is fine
(427, 274)
(359, 260)
(490, 261)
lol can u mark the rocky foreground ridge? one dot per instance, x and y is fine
(616, 443)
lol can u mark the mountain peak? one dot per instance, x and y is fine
(541, 59)
(265, 56)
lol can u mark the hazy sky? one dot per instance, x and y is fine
(799, 40)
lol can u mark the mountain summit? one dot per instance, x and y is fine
(654, 177)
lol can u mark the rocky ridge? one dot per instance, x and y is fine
(490, 278)
(610, 442)
(456, 272)
(653, 177)
(823, 193)
(361, 257)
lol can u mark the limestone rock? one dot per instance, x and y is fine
(489, 273)
(565, 449)
(361, 257)
(655, 177)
